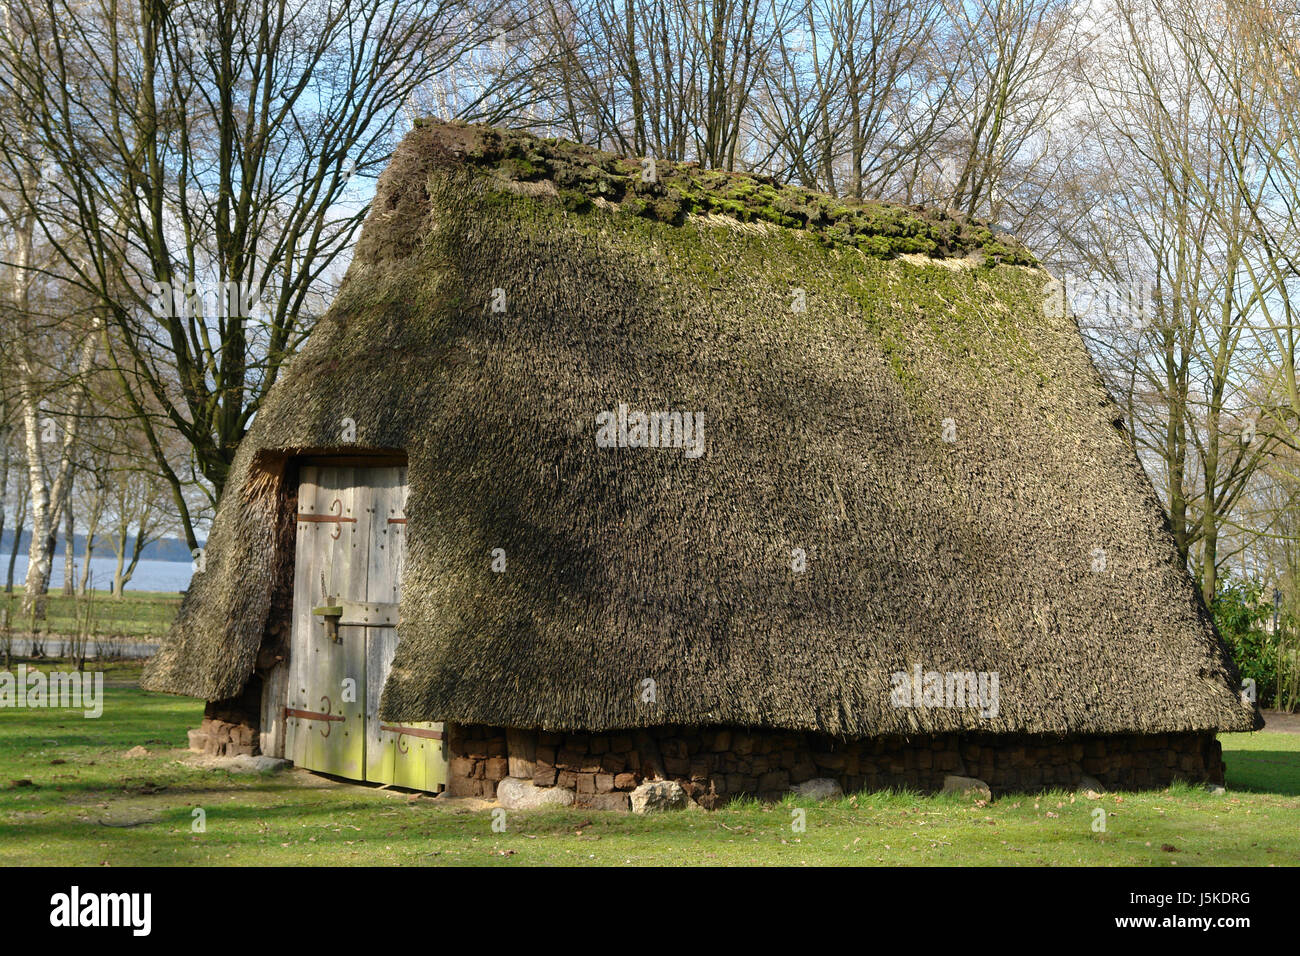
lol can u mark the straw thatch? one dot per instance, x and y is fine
(1030, 544)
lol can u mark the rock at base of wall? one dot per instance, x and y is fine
(1087, 783)
(970, 786)
(819, 788)
(654, 796)
(239, 763)
(617, 802)
(222, 738)
(516, 794)
(716, 765)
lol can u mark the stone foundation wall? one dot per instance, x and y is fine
(230, 727)
(716, 764)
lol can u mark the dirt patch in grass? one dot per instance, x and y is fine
(1286, 723)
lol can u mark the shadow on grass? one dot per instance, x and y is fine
(1264, 771)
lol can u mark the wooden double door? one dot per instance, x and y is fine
(349, 553)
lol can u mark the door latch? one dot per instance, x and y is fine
(331, 614)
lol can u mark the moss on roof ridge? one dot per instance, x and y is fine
(584, 178)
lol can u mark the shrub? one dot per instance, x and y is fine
(1242, 610)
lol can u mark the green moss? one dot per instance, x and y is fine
(522, 168)
(669, 209)
(635, 206)
(875, 245)
(575, 201)
(678, 190)
(917, 316)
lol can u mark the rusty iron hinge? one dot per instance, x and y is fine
(336, 518)
(412, 731)
(326, 717)
(401, 732)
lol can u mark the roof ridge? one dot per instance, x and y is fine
(584, 178)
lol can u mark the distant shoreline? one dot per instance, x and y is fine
(151, 574)
(100, 555)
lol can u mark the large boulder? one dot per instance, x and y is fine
(1091, 785)
(516, 794)
(656, 795)
(820, 788)
(238, 763)
(969, 786)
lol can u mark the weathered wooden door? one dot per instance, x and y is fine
(350, 548)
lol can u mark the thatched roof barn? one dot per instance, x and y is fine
(890, 458)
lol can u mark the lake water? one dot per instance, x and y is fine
(149, 575)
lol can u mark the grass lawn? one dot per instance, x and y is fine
(137, 614)
(70, 796)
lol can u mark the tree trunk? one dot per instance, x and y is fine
(69, 546)
(4, 486)
(47, 502)
(92, 530)
(40, 550)
(84, 583)
(639, 138)
(121, 559)
(20, 518)
(141, 538)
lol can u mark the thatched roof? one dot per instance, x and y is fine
(824, 431)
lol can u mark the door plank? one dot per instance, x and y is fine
(316, 655)
(409, 760)
(305, 567)
(275, 689)
(381, 642)
(336, 745)
(350, 655)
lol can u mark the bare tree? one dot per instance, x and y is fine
(94, 498)
(674, 79)
(1173, 238)
(20, 518)
(854, 95)
(210, 163)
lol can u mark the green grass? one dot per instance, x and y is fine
(68, 795)
(137, 614)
